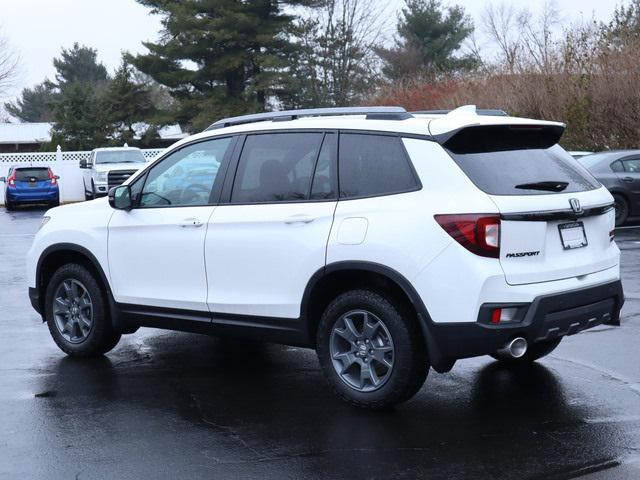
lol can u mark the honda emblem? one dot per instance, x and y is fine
(575, 206)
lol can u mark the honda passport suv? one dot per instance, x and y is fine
(390, 242)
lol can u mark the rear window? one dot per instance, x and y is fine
(26, 174)
(505, 161)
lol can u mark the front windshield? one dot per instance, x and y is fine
(120, 156)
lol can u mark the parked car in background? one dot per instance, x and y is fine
(619, 171)
(30, 185)
(108, 168)
(579, 154)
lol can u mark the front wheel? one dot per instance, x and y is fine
(75, 310)
(533, 353)
(372, 355)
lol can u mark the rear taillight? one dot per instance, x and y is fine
(52, 178)
(12, 180)
(478, 233)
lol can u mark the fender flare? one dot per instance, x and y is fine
(116, 318)
(438, 361)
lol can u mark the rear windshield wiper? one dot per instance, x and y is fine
(546, 186)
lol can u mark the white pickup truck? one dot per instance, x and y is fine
(108, 168)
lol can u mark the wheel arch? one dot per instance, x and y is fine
(56, 255)
(335, 278)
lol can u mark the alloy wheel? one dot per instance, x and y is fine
(362, 350)
(73, 311)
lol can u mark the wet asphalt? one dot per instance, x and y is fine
(168, 405)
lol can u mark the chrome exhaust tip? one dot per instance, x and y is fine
(516, 348)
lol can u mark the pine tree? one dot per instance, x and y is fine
(220, 57)
(78, 64)
(80, 119)
(429, 39)
(126, 103)
(34, 105)
(78, 111)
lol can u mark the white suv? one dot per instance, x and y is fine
(390, 242)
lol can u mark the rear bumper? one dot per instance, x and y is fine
(547, 317)
(29, 197)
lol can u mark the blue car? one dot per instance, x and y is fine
(30, 185)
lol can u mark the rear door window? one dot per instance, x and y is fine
(519, 161)
(632, 165)
(276, 167)
(371, 165)
(26, 174)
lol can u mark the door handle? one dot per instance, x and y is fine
(190, 223)
(299, 219)
(627, 179)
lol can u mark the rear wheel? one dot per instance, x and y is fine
(533, 353)
(372, 355)
(75, 310)
(8, 205)
(622, 209)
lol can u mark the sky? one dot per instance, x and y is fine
(38, 29)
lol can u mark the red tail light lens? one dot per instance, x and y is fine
(478, 233)
(52, 178)
(12, 180)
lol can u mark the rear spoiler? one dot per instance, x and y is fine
(498, 138)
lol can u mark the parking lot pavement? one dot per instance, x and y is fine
(175, 405)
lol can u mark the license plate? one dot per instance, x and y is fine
(572, 235)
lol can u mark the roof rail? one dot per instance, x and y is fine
(372, 113)
(480, 111)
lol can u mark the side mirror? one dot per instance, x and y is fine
(57, 177)
(3, 179)
(120, 197)
(84, 164)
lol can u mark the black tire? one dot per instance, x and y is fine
(622, 209)
(101, 338)
(54, 203)
(8, 205)
(533, 353)
(410, 361)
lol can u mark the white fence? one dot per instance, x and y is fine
(64, 164)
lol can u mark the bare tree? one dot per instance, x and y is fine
(336, 64)
(8, 65)
(538, 35)
(501, 26)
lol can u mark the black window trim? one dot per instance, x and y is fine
(230, 161)
(225, 198)
(407, 159)
(215, 193)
